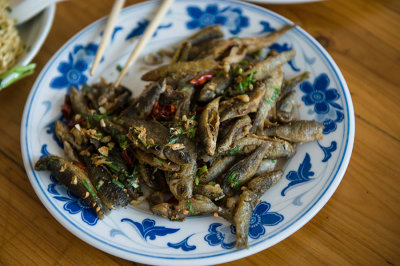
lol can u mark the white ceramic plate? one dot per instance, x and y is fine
(310, 178)
(33, 34)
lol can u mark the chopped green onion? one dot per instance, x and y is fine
(42, 167)
(119, 68)
(232, 177)
(122, 141)
(220, 197)
(202, 170)
(196, 180)
(114, 167)
(236, 184)
(185, 88)
(233, 151)
(99, 135)
(89, 188)
(99, 117)
(240, 87)
(15, 74)
(118, 183)
(190, 206)
(259, 53)
(9, 9)
(244, 62)
(274, 161)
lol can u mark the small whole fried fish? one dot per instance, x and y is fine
(276, 148)
(209, 126)
(298, 131)
(243, 104)
(73, 178)
(242, 171)
(285, 112)
(238, 130)
(142, 106)
(273, 86)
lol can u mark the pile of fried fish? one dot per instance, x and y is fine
(205, 137)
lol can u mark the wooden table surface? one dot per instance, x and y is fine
(361, 222)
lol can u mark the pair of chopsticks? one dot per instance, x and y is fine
(151, 28)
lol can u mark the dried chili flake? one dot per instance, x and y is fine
(164, 112)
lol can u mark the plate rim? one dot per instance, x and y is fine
(219, 258)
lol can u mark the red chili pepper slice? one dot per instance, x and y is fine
(67, 109)
(200, 80)
(79, 165)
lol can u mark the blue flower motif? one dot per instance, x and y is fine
(73, 204)
(52, 186)
(114, 33)
(261, 217)
(319, 95)
(141, 27)
(71, 74)
(76, 205)
(183, 245)
(236, 21)
(44, 151)
(330, 125)
(200, 19)
(328, 150)
(224, 237)
(148, 229)
(266, 27)
(302, 175)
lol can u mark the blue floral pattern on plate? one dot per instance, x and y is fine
(319, 95)
(73, 70)
(225, 235)
(232, 18)
(220, 235)
(302, 175)
(141, 27)
(331, 125)
(328, 150)
(182, 244)
(148, 228)
(73, 204)
(261, 217)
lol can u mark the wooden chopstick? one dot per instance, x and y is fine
(151, 28)
(118, 4)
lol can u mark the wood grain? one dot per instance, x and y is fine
(361, 222)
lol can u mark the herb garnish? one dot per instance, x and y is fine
(190, 207)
